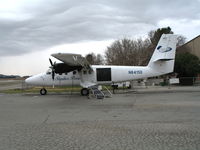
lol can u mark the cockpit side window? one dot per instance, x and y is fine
(74, 72)
(48, 72)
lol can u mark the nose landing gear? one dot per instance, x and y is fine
(43, 91)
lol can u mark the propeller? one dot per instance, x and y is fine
(51, 62)
(53, 69)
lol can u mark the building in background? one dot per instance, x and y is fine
(193, 47)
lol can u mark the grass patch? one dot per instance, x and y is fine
(37, 90)
(49, 89)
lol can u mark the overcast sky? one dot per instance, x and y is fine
(30, 30)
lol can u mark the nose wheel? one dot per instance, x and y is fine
(43, 91)
(84, 92)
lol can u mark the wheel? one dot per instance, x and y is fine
(84, 91)
(43, 91)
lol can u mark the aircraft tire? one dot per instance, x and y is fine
(43, 91)
(84, 92)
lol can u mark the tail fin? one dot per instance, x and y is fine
(162, 60)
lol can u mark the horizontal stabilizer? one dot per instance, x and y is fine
(163, 60)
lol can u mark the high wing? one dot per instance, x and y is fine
(72, 60)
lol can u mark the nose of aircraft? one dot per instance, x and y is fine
(34, 80)
(30, 80)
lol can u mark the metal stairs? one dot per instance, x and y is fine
(96, 92)
(100, 94)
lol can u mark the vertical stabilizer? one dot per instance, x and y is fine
(163, 57)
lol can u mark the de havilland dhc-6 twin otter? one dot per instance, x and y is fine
(76, 70)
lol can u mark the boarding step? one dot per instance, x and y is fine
(107, 92)
(97, 93)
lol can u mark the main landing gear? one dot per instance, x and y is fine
(84, 92)
(43, 91)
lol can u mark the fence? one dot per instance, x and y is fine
(183, 81)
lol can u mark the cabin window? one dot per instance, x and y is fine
(60, 73)
(65, 73)
(48, 71)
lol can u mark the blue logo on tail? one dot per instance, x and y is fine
(163, 50)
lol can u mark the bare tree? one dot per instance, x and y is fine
(120, 52)
(181, 40)
(99, 60)
(127, 52)
(94, 59)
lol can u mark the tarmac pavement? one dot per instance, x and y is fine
(143, 120)
(10, 84)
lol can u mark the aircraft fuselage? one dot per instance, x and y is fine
(100, 74)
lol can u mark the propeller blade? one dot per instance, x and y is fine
(53, 74)
(51, 62)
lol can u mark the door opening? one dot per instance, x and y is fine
(103, 74)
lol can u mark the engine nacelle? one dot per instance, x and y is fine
(64, 68)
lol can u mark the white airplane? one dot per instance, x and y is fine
(75, 70)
